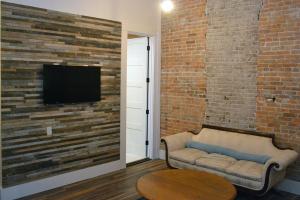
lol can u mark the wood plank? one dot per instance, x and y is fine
(84, 134)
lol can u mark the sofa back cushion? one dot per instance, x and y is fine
(236, 141)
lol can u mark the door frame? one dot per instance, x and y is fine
(154, 96)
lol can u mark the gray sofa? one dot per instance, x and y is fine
(248, 175)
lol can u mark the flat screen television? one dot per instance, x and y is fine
(71, 84)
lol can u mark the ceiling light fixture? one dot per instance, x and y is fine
(167, 5)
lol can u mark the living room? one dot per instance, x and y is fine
(150, 99)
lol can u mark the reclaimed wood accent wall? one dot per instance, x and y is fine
(84, 134)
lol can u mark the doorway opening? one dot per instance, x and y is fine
(138, 136)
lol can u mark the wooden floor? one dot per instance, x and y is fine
(120, 185)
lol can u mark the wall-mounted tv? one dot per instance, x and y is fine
(71, 84)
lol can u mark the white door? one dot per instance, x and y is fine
(136, 99)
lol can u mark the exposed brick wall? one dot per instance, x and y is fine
(182, 75)
(243, 53)
(278, 74)
(231, 56)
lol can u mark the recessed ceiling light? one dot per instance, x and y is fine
(167, 5)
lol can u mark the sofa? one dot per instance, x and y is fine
(233, 154)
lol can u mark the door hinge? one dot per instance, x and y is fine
(147, 112)
(147, 142)
(148, 48)
(147, 80)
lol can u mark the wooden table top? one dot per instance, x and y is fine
(182, 184)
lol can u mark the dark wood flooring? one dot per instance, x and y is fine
(120, 185)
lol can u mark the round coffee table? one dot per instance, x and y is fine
(182, 184)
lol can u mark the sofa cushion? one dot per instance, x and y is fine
(246, 169)
(215, 161)
(187, 155)
(228, 152)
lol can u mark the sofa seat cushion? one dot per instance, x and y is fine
(246, 169)
(187, 155)
(216, 161)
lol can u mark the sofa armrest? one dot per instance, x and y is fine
(274, 168)
(177, 141)
(283, 159)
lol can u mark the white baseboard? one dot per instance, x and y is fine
(290, 186)
(33, 187)
(286, 185)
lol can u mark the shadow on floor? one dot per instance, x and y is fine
(271, 195)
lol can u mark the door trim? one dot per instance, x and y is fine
(147, 98)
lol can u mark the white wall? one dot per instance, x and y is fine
(137, 16)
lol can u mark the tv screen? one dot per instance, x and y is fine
(71, 84)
